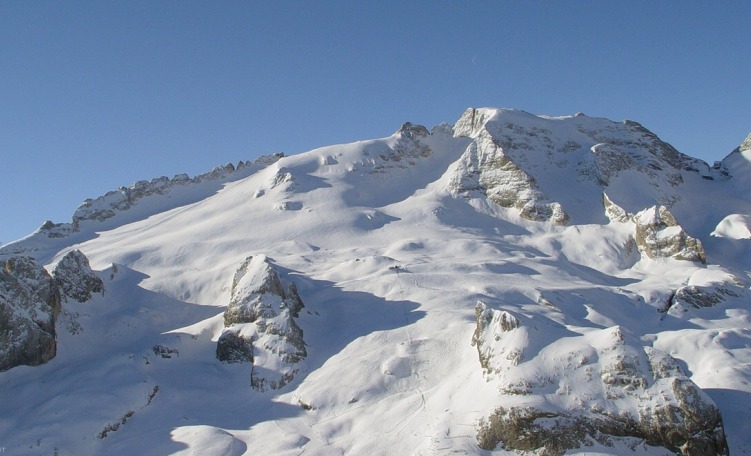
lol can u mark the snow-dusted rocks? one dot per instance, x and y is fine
(75, 277)
(402, 151)
(614, 212)
(745, 145)
(485, 167)
(30, 301)
(260, 318)
(582, 337)
(233, 348)
(692, 297)
(124, 198)
(410, 131)
(491, 325)
(602, 387)
(408, 147)
(29, 305)
(658, 235)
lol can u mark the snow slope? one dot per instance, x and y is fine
(391, 243)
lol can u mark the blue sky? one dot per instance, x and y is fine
(99, 94)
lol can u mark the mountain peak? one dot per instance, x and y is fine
(556, 275)
(745, 145)
(413, 131)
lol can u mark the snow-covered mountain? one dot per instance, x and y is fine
(510, 283)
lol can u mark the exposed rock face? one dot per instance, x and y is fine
(260, 318)
(75, 277)
(29, 306)
(526, 162)
(608, 161)
(56, 230)
(486, 168)
(737, 165)
(124, 198)
(746, 144)
(613, 211)
(696, 297)
(658, 235)
(233, 348)
(410, 131)
(408, 146)
(631, 391)
(490, 324)
(258, 291)
(630, 146)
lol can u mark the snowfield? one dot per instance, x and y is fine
(400, 248)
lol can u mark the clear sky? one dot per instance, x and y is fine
(99, 94)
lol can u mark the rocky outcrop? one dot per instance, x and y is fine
(260, 325)
(630, 146)
(736, 166)
(529, 163)
(411, 131)
(692, 297)
(402, 151)
(490, 325)
(408, 146)
(486, 168)
(233, 348)
(745, 145)
(29, 306)
(614, 212)
(658, 235)
(75, 277)
(605, 387)
(124, 198)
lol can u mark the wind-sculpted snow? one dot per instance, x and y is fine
(612, 273)
(734, 226)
